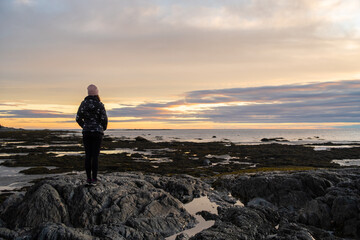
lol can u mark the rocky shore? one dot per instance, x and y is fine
(318, 204)
(54, 152)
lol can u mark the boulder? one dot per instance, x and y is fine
(206, 162)
(42, 204)
(240, 223)
(141, 139)
(6, 233)
(53, 231)
(183, 187)
(325, 199)
(126, 202)
(316, 213)
(260, 202)
(291, 231)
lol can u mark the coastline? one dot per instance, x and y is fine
(225, 173)
(43, 152)
(314, 204)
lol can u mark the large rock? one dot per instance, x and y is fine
(125, 203)
(316, 213)
(6, 233)
(301, 205)
(183, 187)
(291, 231)
(241, 223)
(54, 231)
(323, 199)
(285, 190)
(41, 204)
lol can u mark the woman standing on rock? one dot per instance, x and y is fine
(92, 118)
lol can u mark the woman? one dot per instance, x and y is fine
(92, 118)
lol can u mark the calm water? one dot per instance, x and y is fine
(10, 178)
(252, 136)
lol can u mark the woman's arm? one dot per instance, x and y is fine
(104, 118)
(80, 115)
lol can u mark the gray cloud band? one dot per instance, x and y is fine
(313, 103)
(316, 102)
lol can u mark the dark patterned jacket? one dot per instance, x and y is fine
(91, 115)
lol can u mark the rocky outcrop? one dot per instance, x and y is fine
(141, 139)
(241, 223)
(183, 187)
(301, 205)
(120, 206)
(328, 200)
(277, 139)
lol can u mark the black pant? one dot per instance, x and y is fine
(92, 143)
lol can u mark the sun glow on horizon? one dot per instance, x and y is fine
(67, 123)
(181, 64)
(326, 105)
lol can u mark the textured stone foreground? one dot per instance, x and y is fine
(300, 205)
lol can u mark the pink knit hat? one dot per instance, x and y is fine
(92, 90)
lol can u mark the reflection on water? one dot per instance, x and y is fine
(244, 136)
(11, 178)
(198, 205)
(125, 150)
(156, 160)
(11, 171)
(347, 162)
(70, 153)
(12, 154)
(48, 145)
(146, 155)
(13, 142)
(228, 160)
(327, 148)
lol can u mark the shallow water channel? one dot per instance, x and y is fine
(198, 205)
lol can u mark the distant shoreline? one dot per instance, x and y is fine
(2, 128)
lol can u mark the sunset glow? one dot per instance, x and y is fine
(181, 64)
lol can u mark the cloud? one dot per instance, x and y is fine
(324, 102)
(156, 48)
(28, 113)
(312, 103)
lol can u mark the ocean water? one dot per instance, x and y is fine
(243, 136)
(11, 178)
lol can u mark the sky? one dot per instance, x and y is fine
(181, 64)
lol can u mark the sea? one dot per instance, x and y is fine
(243, 136)
(11, 178)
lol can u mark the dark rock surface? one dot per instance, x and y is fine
(121, 206)
(322, 204)
(183, 187)
(141, 139)
(324, 199)
(277, 139)
(241, 223)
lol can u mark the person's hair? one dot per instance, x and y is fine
(98, 98)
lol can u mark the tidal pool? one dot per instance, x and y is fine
(11, 178)
(198, 205)
(347, 162)
(70, 153)
(227, 160)
(12, 154)
(327, 148)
